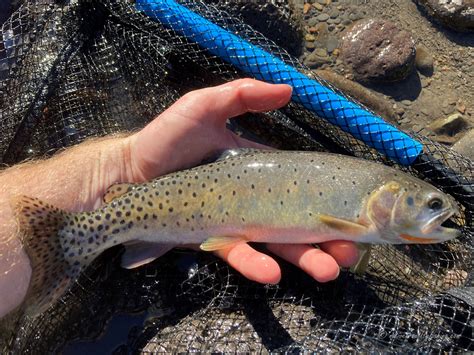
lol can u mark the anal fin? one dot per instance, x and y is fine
(141, 253)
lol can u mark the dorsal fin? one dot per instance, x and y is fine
(116, 190)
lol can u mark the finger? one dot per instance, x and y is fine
(222, 102)
(318, 264)
(345, 253)
(195, 126)
(252, 264)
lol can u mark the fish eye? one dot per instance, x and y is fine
(435, 203)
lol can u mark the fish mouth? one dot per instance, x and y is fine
(434, 224)
(433, 231)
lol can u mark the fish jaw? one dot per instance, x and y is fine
(437, 235)
(435, 222)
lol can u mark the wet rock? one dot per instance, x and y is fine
(449, 126)
(465, 145)
(424, 61)
(317, 58)
(377, 50)
(455, 14)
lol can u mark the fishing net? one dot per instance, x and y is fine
(70, 70)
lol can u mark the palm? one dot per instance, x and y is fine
(195, 127)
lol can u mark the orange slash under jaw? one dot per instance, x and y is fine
(418, 240)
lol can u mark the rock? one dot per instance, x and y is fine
(334, 13)
(449, 126)
(424, 61)
(346, 22)
(465, 145)
(377, 50)
(455, 14)
(460, 107)
(318, 6)
(406, 102)
(309, 37)
(322, 17)
(310, 45)
(371, 99)
(331, 43)
(306, 8)
(313, 21)
(317, 58)
(334, 20)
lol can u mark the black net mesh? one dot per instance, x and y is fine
(70, 70)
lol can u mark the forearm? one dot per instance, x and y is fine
(71, 180)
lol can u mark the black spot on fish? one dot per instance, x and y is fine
(163, 224)
(118, 214)
(139, 208)
(410, 201)
(108, 216)
(320, 193)
(170, 209)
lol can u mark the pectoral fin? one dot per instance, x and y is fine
(217, 243)
(116, 190)
(343, 225)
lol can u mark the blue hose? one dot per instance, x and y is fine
(324, 102)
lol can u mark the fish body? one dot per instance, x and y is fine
(257, 196)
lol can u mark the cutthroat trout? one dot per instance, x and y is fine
(244, 196)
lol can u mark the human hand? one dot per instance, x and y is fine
(193, 128)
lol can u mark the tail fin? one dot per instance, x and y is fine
(52, 273)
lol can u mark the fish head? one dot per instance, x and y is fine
(412, 212)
